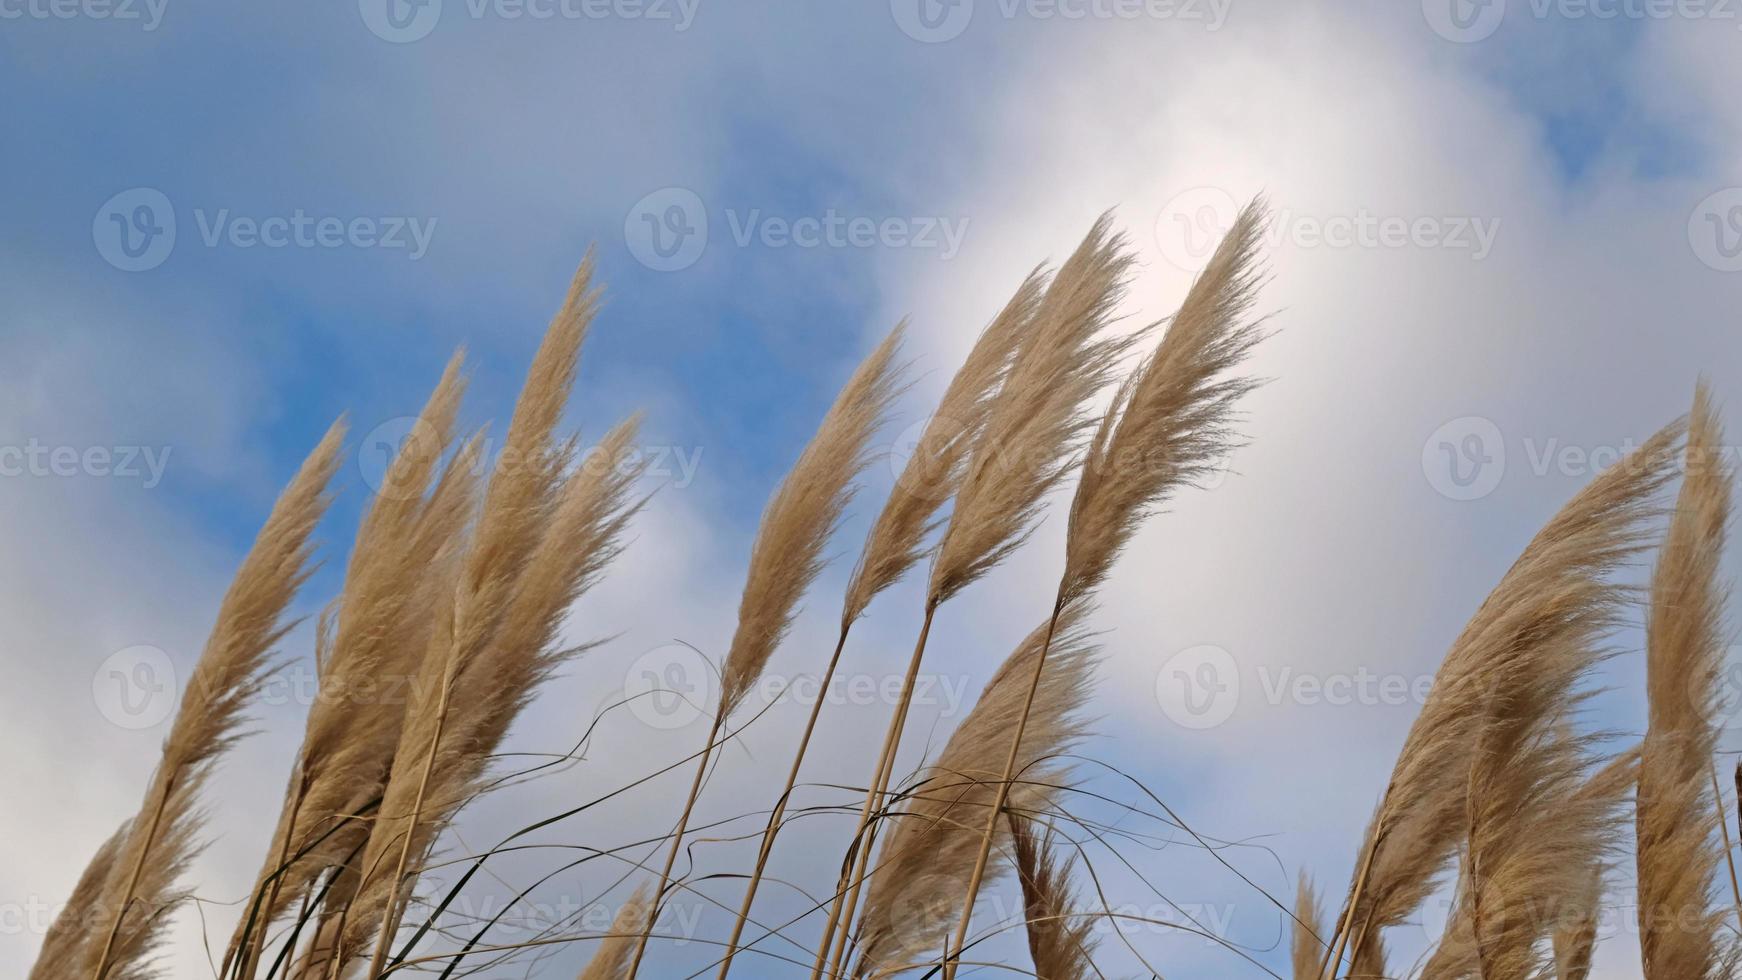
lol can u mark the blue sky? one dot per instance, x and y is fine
(1589, 145)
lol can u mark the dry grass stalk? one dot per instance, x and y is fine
(1168, 424)
(1533, 840)
(796, 525)
(611, 960)
(895, 542)
(70, 931)
(129, 911)
(933, 473)
(1037, 421)
(1061, 940)
(1552, 592)
(803, 515)
(1033, 428)
(1575, 932)
(370, 644)
(1680, 927)
(1562, 901)
(485, 656)
(922, 876)
(1308, 931)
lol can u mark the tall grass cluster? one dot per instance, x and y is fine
(461, 580)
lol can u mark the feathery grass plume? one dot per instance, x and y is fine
(1563, 901)
(584, 534)
(1061, 940)
(1575, 932)
(67, 934)
(1368, 960)
(163, 838)
(788, 553)
(1308, 931)
(434, 763)
(1037, 422)
(894, 543)
(940, 456)
(1533, 840)
(1680, 928)
(611, 960)
(371, 643)
(1028, 443)
(1169, 424)
(801, 517)
(1548, 594)
(922, 875)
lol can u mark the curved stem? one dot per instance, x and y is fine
(133, 879)
(683, 823)
(953, 949)
(852, 878)
(774, 819)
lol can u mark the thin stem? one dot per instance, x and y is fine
(851, 879)
(254, 943)
(774, 819)
(133, 878)
(952, 950)
(683, 823)
(390, 914)
(1724, 828)
(863, 871)
(1340, 940)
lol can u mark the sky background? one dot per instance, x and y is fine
(1507, 239)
